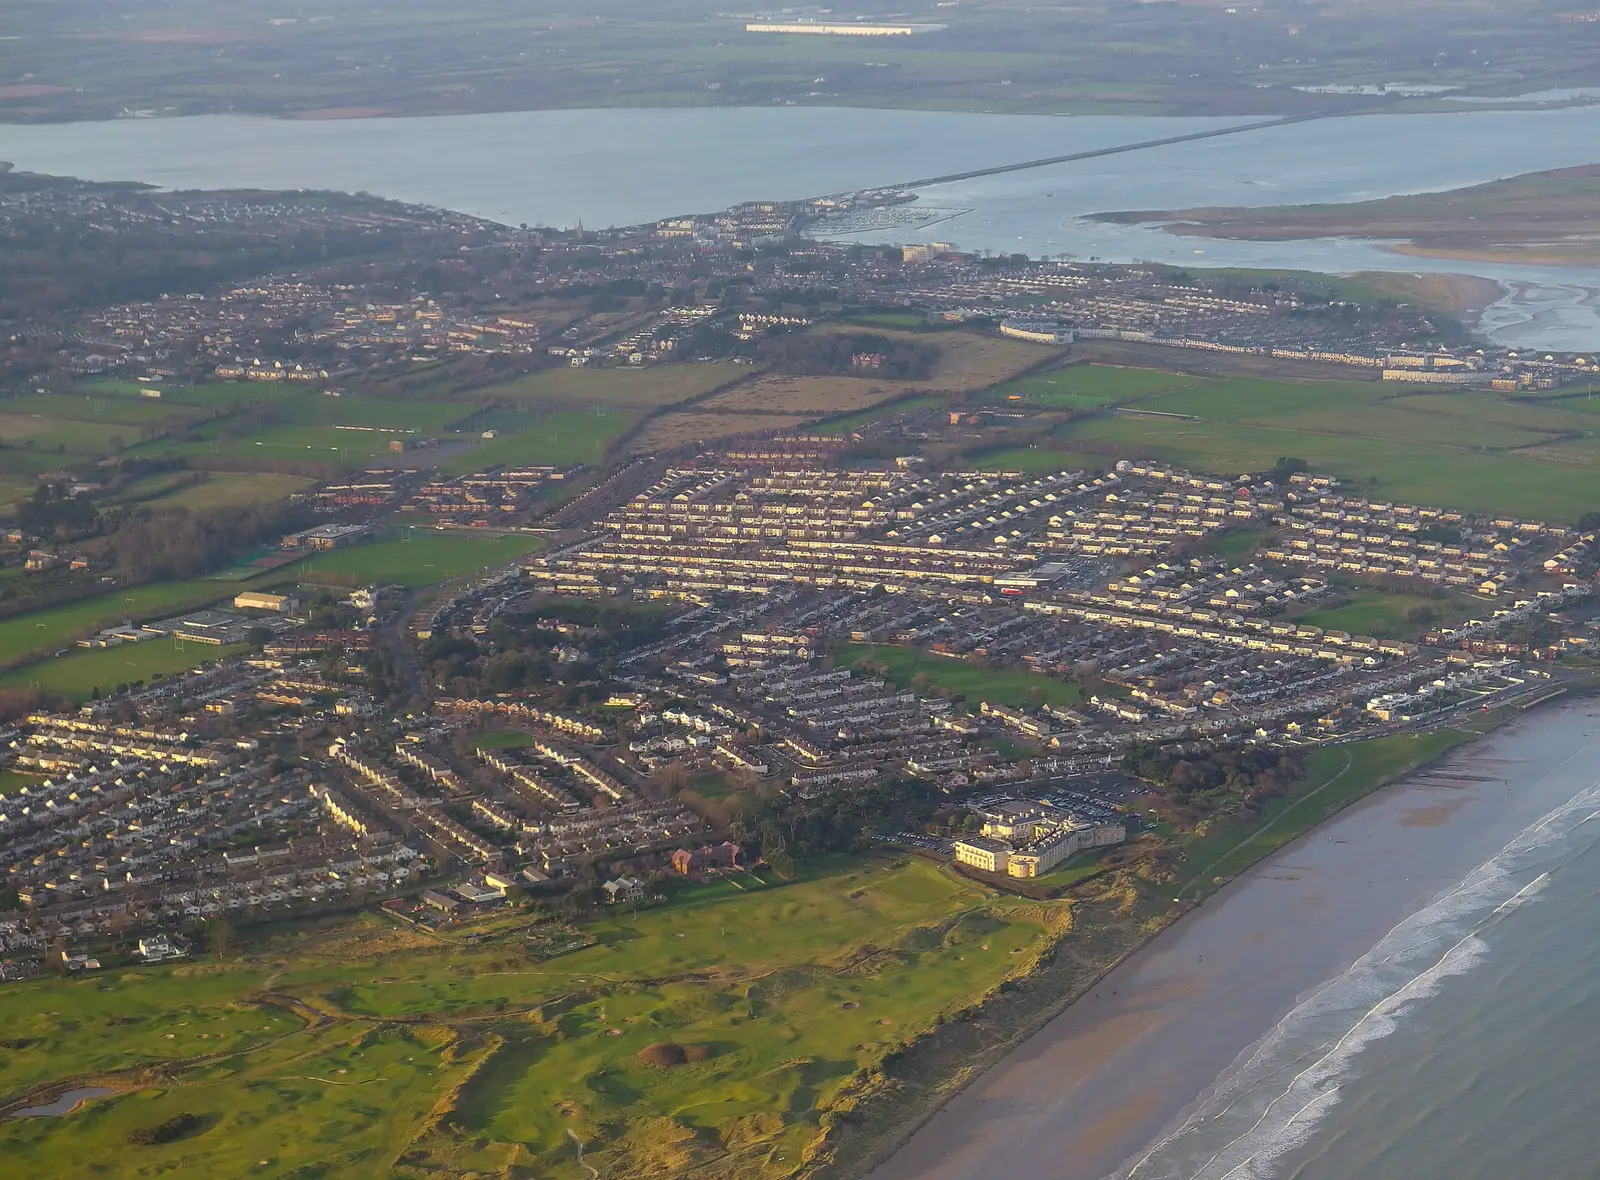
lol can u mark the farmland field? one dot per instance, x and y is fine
(655, 385)
(220, 490)
(775, 394)
(421, 560)
(63, 435)
(1002, 686)
(675, 430)
(781, 996)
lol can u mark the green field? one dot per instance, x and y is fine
(1237, 543)
(856, 421)
(1007, 686)
(96, 405)
(47, 630)
(422, 558)
(1464, 450)
(790, 992)
(267, 423)
(220, 490)
(905, 321)
(1377, 613)
(559, 438)
(1036, 460)
(1336, 777)
(621, 388)
(1081, 386)
(12, 781)
(77, 674)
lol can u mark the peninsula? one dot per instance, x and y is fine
(1540, 218)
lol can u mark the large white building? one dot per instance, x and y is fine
(1028, 839)
(842, 30)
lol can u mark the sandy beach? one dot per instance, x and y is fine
(1083, 1097)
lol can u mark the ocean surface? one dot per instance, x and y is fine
(1462, 1046)
(1404, 993)
(622, 167)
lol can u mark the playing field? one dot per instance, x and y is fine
(780, 996)
(47, 630)
(77, 674)
(1002, 686)
(1035, 460)
(421, 557)
(559, 438)
(1082, 386)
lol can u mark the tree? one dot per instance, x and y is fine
(782, 863)
(673, 778)
(219, 936)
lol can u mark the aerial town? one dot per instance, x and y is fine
(494, 628)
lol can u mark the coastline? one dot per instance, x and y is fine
(1141, 1014)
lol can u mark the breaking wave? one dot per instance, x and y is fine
(1277, 1092)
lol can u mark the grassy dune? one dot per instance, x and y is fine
(795, 992)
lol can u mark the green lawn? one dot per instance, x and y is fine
(791, 989)
(1237, 543)
(1002, 686)
(559, 438)
(12, 781)
(1078, 386)
(1376, 613)
(48, 630)
(77, 674)
(1336, 777)
(1465, 450)
(422, 558)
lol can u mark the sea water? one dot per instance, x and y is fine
(1463, 1046)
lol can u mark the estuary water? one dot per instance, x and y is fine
(623, 167)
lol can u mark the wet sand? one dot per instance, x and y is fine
(1082, 1097)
